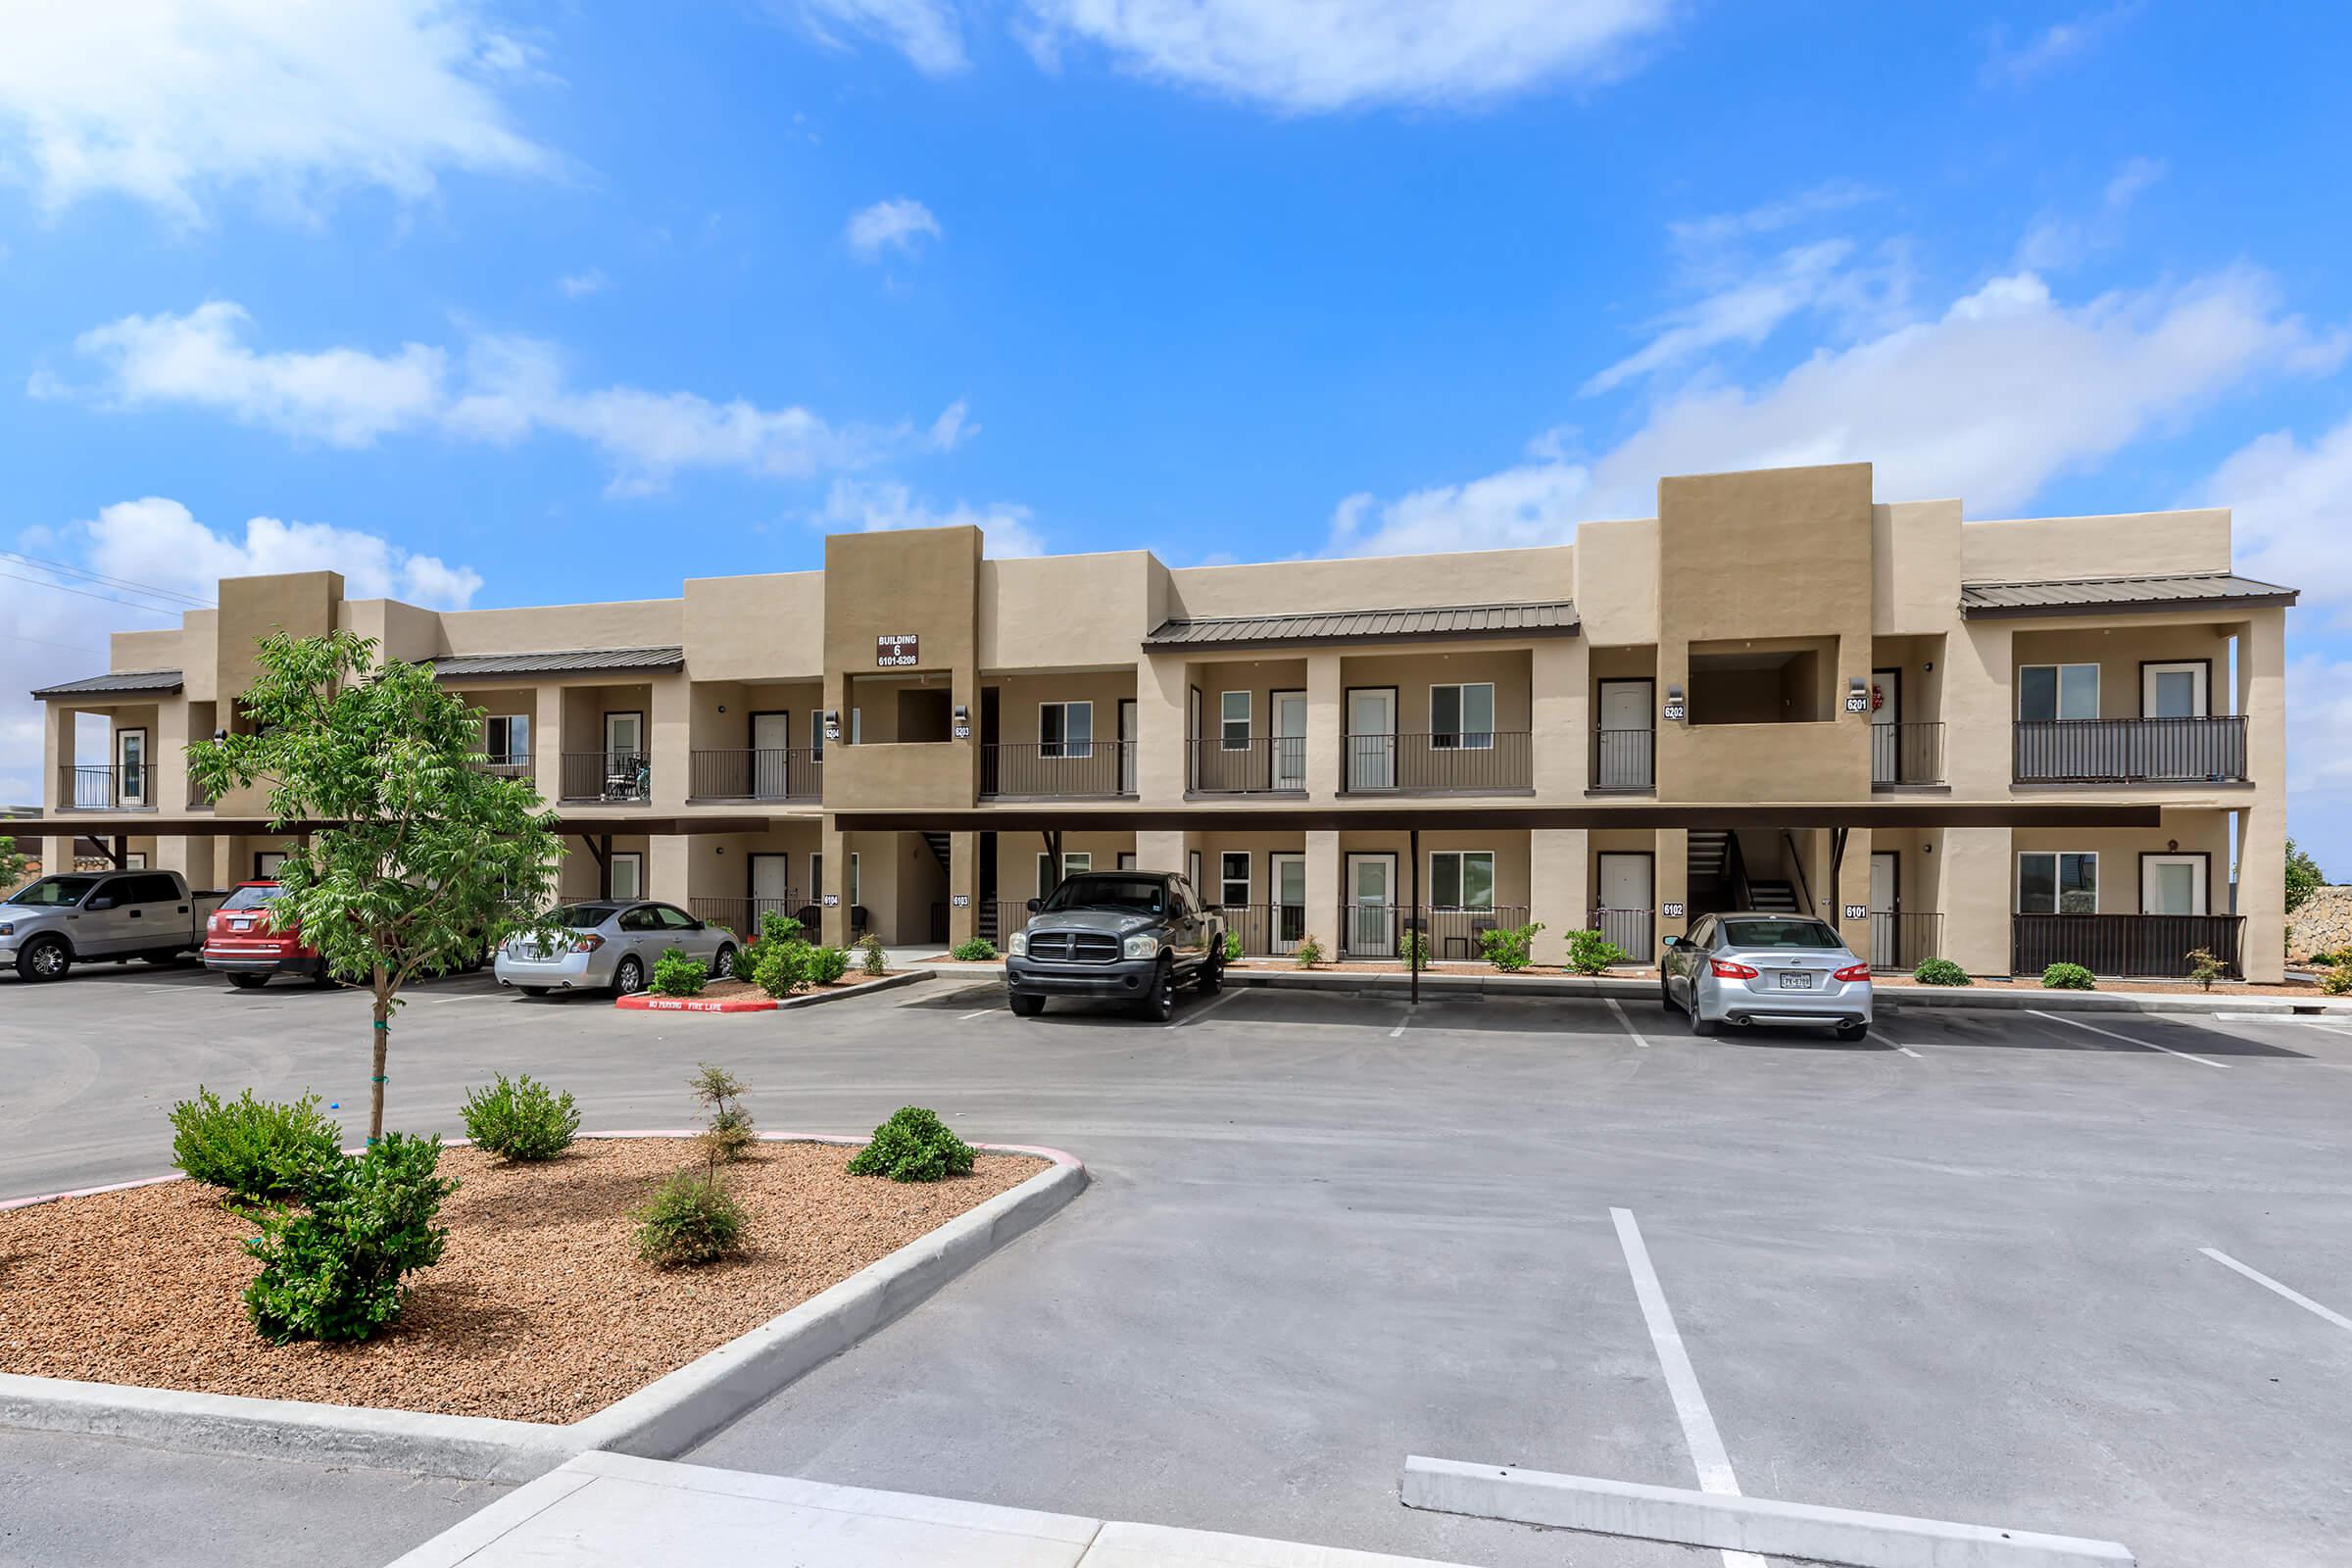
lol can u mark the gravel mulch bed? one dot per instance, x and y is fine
(725, 990)
(539, 1309)
(2221, 991)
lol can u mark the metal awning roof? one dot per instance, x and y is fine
(1552, 618)
(2188, 590)
(556, 662)
(121, 682)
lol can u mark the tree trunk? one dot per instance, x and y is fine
(383, 1042)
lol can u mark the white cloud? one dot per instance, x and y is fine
(2006, 389)
(928, 32)
(578, 285)
(1312, 56)
(1746, 312)
(2056, 241)
(2287, 503)
(2015, 65)
(509, 389)
(2319, 760)
(875, 505)
(1697, 237)
(168, 101)
(899, 224)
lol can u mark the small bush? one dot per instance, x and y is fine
(691, 1219)
(334, 1273)
(2067, 977)
(1309, 952)
(1509, 949)
(1233, 946)
(745, 959)
(2331, 960)
(781, 967)
(1414, 949)
(2204, 968)
(677, 973)
(2337, 980)
(257, 1149)
(521, 1119)
(871, 956)
(777, 927)
(1941, 972)
(914, 1145)
(1591, 953)
(826, 966)
(729, 1133)
(979, 950)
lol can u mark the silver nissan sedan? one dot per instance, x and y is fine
(613, 946)
(1757, 967)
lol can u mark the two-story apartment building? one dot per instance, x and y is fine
(2001, 742)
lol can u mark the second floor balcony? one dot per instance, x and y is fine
(614, 778)
(1262, 764)
(2130, 750)
(1902, 756)
(794, 775)
(1060, 769)
(1454, 762)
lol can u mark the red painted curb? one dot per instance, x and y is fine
(643, 1002)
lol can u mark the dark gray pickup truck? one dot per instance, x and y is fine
(1115, 936)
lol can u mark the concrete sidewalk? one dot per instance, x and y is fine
(611, 1508)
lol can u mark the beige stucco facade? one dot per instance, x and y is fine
(1777, 688)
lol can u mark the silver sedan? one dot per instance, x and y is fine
(613, 946)
(1753, 968)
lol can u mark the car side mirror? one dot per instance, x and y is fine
(1677, 943)
(104, 901)
(1035, 904)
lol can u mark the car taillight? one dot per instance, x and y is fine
(588, 942)
(1854, 971)
(1732, 971)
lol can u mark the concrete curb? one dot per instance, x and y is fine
(1758, 1525)
(646, 1001)
(659, 1421)
(889, 982)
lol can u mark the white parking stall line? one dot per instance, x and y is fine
(1619, 1011)
(2270, 1284)
(1202, 1010)
(1892, 1046)
(1708, 1454)
(1401, 1022)
(980, 1013)
(2144, 1045)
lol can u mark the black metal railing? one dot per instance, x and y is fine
(1463, 764)
(744, 774)
(1906, 754)
(625, 777)
(1059, 770)
(1630, 930)
(200, 799)
(1262, 766)
(2128, 946)
(1377, 931)
(2120, 750)
(1625, 759)
(1901, 940)
(513, 764)
(1266, 930)
(741, 915)
(98, 789)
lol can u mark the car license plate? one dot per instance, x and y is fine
(1791, 981)
(240, 925)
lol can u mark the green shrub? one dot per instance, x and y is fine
(334, 1273)
(521, 1119)
(914, 1145)
(722, 1093)
(1414, 948)
(979, 950)
(1309, 952)
(257, 1149)
(1509, 949)
(1941, 972)
(691, 1219)
(1233, 946)
(781, 967)
(826, 966)
(1591, 953)
(778, 927)
(871, 959)
(2337, 981)
(2204, 968)
(678, 973)
(745, 959)
(2067, 977)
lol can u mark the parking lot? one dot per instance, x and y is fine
(1963, 1269)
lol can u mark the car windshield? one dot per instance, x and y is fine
(55, 892)
(252, 898)
(1779, 934)
(580, 916)
(1136, 895)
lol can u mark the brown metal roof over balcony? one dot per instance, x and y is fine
(124, 683)
(2091, 596)
(559, 662)
(1554, 617)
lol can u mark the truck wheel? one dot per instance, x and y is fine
(1160, 1003)
(44, 958)
(1212, 972)
(1026, 1007)
(249, 982)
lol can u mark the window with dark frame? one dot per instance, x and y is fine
(1233, 879)
(1232, 721)
(2058, 882)
(1462, 717)
(1065, 729)
(1461, 879)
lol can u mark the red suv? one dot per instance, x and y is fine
(239, 942)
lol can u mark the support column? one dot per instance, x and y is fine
(2261, 822)
(1160, 851)
(669, 872)
(1326, 725)
(57, 855)
(1559, 895)
(832, 906)
(1324, 889)
(963, 888)
(547, 742)
(56, 756)
(1673, 873)
(1853, 891)
(1164, 750)
(669, 741)
(1974, 887)
(168, 769)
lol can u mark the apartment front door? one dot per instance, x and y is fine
(1885, 895)
(1626, 719)
(1371, 905)
(2173, 691)
(1290, 740)
(772, 751)
(130, 756)
(625, 771)
(1625, 882)
(1885, 714)
(2172, 884)
(1126, 746)
(771, 888)
(1372, 739)
(1289, 875)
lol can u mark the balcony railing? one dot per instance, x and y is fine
(1375, 932)
(1496, 761)
(1905, 753)
(2130, 750)
(512, 765)
(1266, 930)
(199, 797)
(1630, 930)
(1265, 765)
(1059, 770)
(100, 789)
(741, 915)
(797, 774)
(1901, 939)
(619, 777)
(1625, 759)
(2129, 946)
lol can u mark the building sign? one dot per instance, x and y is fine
(961, 901)
(1858, 703)
(832, 901)
(898, 651)
(1674, 713)
(1670, 910)
(1857, 911)
(832, 724)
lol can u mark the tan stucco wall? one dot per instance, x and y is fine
(1064, 612)
(755, 628)
(2133, 544)
(1471, 577)
(1617, 581)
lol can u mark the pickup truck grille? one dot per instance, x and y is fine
(1074, 946)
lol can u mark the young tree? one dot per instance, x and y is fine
(414, 858)
(11, 865)
(2303, 876)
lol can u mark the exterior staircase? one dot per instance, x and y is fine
(1772, 898)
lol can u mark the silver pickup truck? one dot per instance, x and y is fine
(47, 927)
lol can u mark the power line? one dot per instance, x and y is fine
(43, 641)
(39, 582)
(86, 575)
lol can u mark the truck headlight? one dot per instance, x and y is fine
(1143, 947)
(7, 929)
(1018, 946)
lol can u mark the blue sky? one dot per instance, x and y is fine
(503, 304)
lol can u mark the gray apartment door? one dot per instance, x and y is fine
(1628, 718)
(1290, 740)
(1371, 905)
(1372, 739)
(1885, 894)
